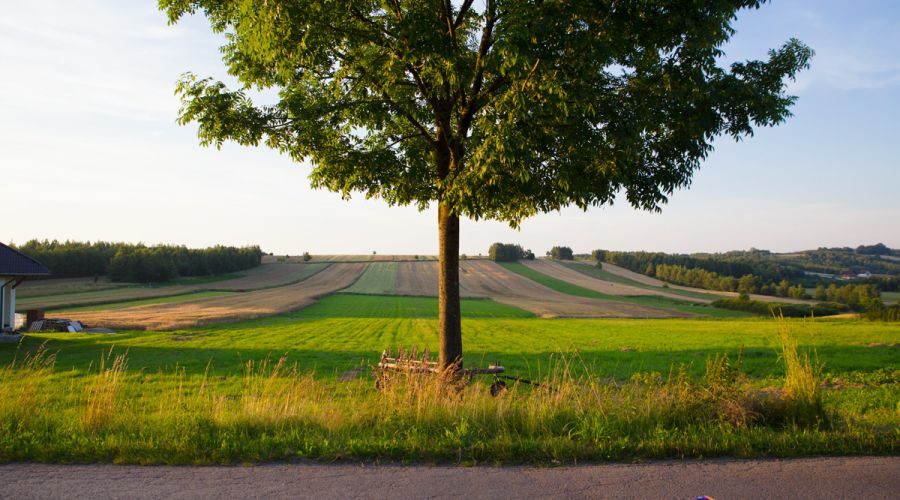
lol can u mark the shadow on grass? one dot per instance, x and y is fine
(185, 349)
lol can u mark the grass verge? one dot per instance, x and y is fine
(269, 409)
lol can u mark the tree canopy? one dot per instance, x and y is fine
(500, 110)
(537, 104)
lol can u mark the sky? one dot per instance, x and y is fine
(89, 149)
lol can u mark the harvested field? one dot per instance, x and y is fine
(380, 278)
(231, 308)
(270, 276)
(419, 278)
(483, 278)
(373, 258)
(257, 278)
(640, 278)
(186, 297)
(40, 288)
(562, 272)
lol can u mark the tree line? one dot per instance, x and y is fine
(748, 283)
(762, 263)
(743, 303)
(137, 262)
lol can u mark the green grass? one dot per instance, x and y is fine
(208, 395)
(643, 300)
(142, 302)
(380, 278)
(605, 275)
(347, 305)
(342, 330)
(890, 297)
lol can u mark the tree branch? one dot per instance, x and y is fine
(478, 80)
(463, 10)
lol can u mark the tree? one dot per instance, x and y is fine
(499, 112)
(506, 252)
(561, 253)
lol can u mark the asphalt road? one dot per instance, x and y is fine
(818, 478)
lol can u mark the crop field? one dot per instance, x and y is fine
(647, 280)
(890, 297)
(40, 288)
(583, 280)
(370, 258)
(186, 297)
(233, 307)
(380, 278)
(665, 307)
(590, 269)
(297, 386)
(258, 278)
(487, 279)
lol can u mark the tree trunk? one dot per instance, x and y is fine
(448, 290)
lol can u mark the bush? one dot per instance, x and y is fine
(306, 257)
(877, 311)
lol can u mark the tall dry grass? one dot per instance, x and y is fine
(102, 391)
(802, 379)
(273, 410)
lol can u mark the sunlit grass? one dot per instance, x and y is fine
(272, 389)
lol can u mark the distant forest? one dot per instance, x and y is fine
(138, 263)
(767, 273)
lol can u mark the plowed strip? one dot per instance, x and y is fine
(231, 308)
(647, 280)
(561, 272)
(417, 278)
(483, 278)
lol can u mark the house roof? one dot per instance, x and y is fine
(16, 263)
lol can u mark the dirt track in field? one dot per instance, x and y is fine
(561, 272)
(230, 308)
(647, 280)
(483, 278)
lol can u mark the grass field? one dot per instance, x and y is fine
(221, 393)
(643, 300)
(890, 297)
(380, 278)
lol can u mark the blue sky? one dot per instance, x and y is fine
(89, 149)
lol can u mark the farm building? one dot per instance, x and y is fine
(15, 267)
